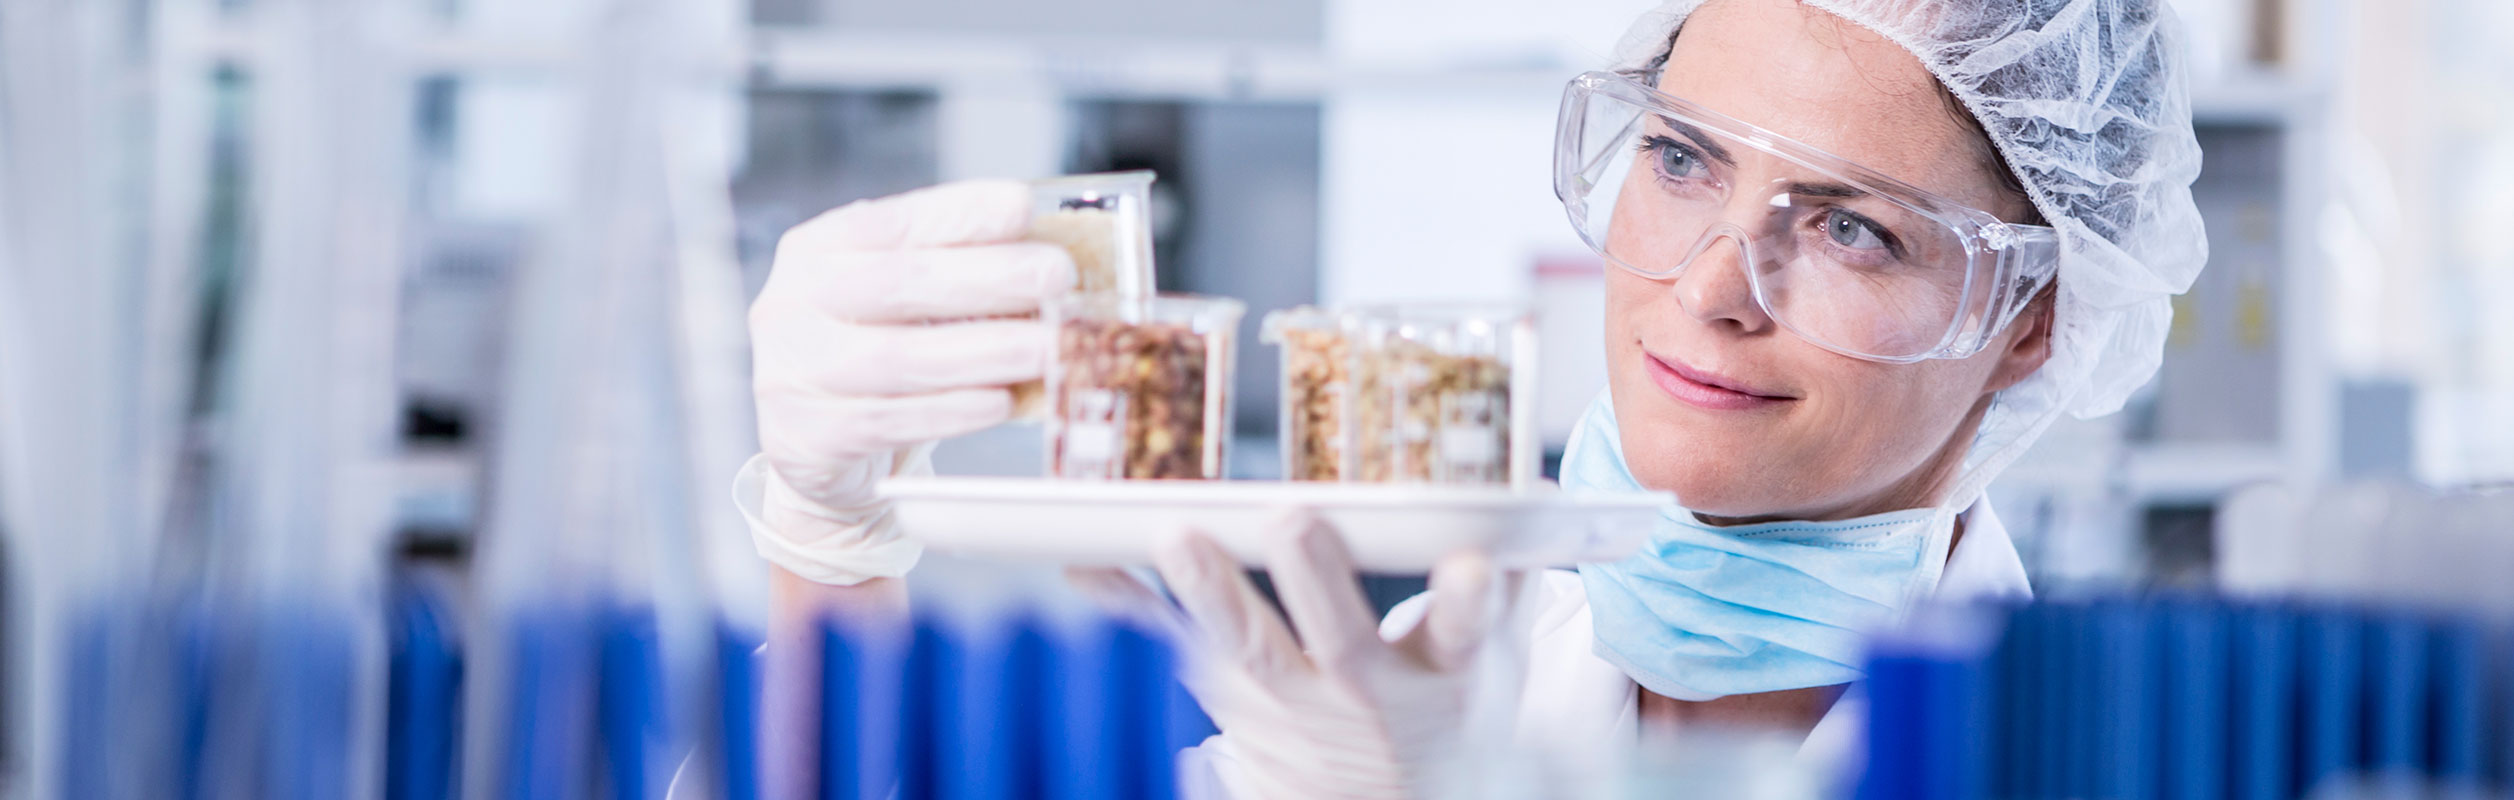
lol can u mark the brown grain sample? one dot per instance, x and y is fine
(1315, 380)
(1131, 399)
(1424, 416)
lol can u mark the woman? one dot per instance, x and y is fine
(1864, 252)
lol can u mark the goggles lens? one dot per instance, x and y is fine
(1656, 186)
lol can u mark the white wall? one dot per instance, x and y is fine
(1438, 193)
(1438, 147)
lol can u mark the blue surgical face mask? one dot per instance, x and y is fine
(1708, 611)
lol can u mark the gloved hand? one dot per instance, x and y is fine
(1339, 713)
(872, 340)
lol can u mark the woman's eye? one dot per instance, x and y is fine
(1674, 160)
(1853, 231)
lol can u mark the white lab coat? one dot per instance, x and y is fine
(1577, 705)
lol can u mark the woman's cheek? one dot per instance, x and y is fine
(1910, 413)
(1862, 419)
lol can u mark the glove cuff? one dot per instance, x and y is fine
(823, 545)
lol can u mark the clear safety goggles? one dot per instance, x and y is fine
(1841, 255)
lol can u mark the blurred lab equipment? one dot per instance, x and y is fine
(89, 415)
(2355, 646)
(996, 693)
(231, 231)
(600, 584)
(2188, 696)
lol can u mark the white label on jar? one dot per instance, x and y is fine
(1089, 444)
(1413, 429)
(1469, 447)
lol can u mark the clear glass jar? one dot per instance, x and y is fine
(1104, 221)
(1315, 397)
(1140, 389)
(1442, 394)
(1407, 394)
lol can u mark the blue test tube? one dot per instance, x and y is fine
(737, 711)
(2193, 757)
(1112, 731)
(1143, 717)
(2055, 681)
(2073, 626)
(1083, 764)
(2398, 696)
(310, 700)
(1169, 720)
(2461, 701)
(2015, 682)
(2500, 747)
(2127, 692)
(1925, 720)
(198, 652)
(2262, 735)
(928, 700)
(842, 753)
(550, 704)
(993, 738)
(1184, 722)
(872, 690)
(2332, 643)
(423, 690)
(635, 730)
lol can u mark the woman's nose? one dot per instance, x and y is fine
(1714, 287)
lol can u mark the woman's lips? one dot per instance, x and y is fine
(1705, 390)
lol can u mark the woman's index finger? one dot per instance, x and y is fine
(964, 212)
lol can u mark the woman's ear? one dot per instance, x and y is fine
(2027, 346)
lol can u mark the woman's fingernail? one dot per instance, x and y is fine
(1182, 553)
(1319, 540)
(1055, 269)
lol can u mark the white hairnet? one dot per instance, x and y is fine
(2089, 102)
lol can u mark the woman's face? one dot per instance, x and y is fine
(1800, 432)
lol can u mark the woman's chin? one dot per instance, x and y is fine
(1713, 492)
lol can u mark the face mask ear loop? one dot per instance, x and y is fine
(1933, 560)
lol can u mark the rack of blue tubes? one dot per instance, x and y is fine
(2140, 697)
(1018, 707)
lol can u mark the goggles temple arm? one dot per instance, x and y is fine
(2015, 258)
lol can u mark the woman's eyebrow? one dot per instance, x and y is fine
(1834, 190)
(1700, 139)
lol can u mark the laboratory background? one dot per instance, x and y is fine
(373, 374)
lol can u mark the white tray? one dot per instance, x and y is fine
(1391, 528)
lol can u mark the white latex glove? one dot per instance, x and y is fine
(869, 343)
(1339, 713)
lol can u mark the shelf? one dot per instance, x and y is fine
(2197, 473)
(1118, 66)
(809, 58)
(2251, 98)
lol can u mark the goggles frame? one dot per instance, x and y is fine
(2006, 264)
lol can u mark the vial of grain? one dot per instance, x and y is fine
(1315, 397)
(1104, 221)
(1441, 394)
(1140, 388)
